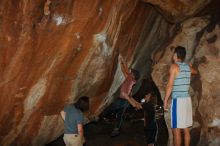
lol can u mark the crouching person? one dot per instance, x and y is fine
(73, 122)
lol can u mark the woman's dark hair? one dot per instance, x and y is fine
(136, 74)
(82, 103)
(180, 52)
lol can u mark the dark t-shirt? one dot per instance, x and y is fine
(150, 119)
(72, 119)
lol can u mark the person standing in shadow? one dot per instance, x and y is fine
(150, 124)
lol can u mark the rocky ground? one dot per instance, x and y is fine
(132, 134)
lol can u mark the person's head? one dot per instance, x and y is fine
(82, 103)
(135, 74)
(179, 54)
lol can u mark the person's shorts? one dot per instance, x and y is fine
(151, 135)
(181, 112)
(72, 140)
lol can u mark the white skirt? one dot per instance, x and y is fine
(181, 113)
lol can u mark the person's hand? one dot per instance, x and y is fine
(165, 106)
(190, 64)
(83, 139)
(94, 118)
(121, 59)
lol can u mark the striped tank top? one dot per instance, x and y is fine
(182, 82)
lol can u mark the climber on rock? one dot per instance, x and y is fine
(125, 98)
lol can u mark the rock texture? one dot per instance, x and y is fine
(208, 57)
(201, 38)
(52, 52)
(179, 10)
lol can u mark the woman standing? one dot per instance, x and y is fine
(73, 122)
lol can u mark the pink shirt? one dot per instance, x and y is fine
(127, 86)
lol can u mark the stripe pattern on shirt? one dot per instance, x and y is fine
(182, 81)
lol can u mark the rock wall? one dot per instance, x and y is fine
(52, 52)
(208, 58)
(200, 36)
(179, 10)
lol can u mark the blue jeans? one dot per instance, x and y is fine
(119, 107)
